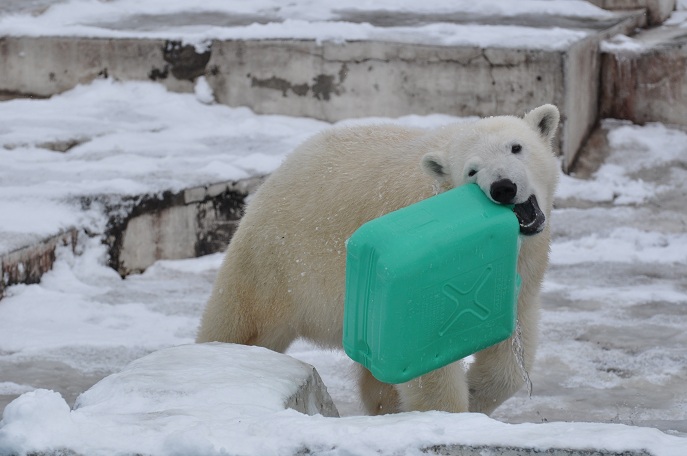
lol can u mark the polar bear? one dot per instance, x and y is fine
(283, 275)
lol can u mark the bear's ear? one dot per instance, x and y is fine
(544, 120)
(433, 164)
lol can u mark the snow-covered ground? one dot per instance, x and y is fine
(612, 347)
(612, 344)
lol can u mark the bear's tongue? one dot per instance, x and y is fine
(529, 215)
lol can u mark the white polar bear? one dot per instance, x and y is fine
(283, 276)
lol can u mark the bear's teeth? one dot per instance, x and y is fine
(530, 217)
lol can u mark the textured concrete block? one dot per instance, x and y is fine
(28, 264)
(331, 81)
(169, 233)
(43, 66)
(649, 83)
(657, 11)
(196, 221)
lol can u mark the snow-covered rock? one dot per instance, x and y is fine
(165, 394)
(239, 380)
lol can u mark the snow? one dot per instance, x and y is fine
(621, 43)
(621, 179)
(288, 432)
(86, 318)
(612, 341)
(623, 244)
(125, 140)
(185, 400)
(330, 20)
(153, 401)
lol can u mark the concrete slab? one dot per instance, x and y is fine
(187, 224)
(657, 11)
(332, 81)
(28, 263)
(644, 80)
(44, 66)
(399, 73)
(191, 223)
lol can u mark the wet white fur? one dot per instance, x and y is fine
(283, 274)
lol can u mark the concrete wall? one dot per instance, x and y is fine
(334, 82)
(195, 222)
(648, 86)
(331, 81)
(657, 11)
(28, 264)
(44, 66)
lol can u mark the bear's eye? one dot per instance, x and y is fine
(472, 172)
(516, 148)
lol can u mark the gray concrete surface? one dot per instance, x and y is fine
(197, 221)
(331, 81)
(43, 66)
(33, 257)
(460, 450)
(609, 333)
(141, 230)
(657, 11)
(649, 84)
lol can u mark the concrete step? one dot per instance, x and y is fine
(644, 78)
(187, 224)
(27, 263)
(143, 229)
(657, 11)
(406, 70)
(331, 81)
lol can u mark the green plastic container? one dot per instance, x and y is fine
(430, 284)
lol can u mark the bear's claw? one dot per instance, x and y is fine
(529, 215)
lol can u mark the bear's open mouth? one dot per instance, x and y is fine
(529, 215)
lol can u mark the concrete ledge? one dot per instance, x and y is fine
(44, 66)
(141, 230)
(657, 11)
(187, 224)
(28, 264)
(331, 81)
(464, 450)
(247, 380)
(648, 84)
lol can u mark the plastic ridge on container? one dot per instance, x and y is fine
(430, 284)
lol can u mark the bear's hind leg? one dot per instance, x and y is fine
(236, 325)
(276, 339)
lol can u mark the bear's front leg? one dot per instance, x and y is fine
(494, 376)
(378, 398)
(443, 389)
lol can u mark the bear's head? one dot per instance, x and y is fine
(510, 158)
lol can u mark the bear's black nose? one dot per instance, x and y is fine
(503, 191)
